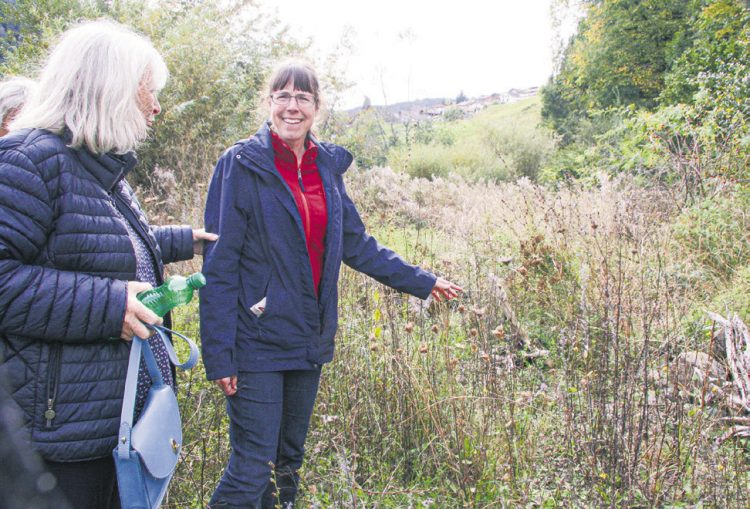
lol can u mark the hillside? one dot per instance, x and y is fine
(435, 108)
(499, 143)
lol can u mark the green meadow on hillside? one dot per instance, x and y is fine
(499, 143)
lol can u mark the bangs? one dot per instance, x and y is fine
(301, 77)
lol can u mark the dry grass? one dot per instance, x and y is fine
(546, 385)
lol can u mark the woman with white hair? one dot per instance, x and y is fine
(14, 92)
(75, 249)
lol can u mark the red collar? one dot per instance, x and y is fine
(285, 154)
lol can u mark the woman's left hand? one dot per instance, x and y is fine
(200, 237)
(444, 289)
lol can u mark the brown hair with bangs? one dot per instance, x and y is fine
(301, 74)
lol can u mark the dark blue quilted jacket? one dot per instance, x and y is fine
(261, 252)
(65, 257)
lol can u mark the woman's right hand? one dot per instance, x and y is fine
(228, 385)
(136, 314)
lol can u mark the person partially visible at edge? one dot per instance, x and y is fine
(75, 249)
(14, 93)
(269, 311)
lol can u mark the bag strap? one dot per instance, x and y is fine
(141, 346)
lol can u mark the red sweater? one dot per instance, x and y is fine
(310, 198)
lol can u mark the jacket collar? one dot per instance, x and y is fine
(259, 148)
(108, 169)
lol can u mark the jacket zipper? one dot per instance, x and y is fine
(131, 217)
(53, 372)
(305, 206)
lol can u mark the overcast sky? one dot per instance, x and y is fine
(413, 49)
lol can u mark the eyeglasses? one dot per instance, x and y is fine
(283, 98)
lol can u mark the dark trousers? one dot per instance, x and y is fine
(87, 484)
(268, 421)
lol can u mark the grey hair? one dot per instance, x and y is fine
(14, 93)
(89, 86)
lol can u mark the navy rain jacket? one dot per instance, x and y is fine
(261, 252)
(65, 257)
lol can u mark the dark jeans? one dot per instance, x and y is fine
(87, 484)
(268, 420)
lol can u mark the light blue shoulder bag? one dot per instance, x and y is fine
(147, 452)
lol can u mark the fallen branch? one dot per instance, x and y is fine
(737, 341)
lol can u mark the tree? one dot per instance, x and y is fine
(620, 56)
(717, 39)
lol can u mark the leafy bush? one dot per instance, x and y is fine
(422, 161)
(365, 136)
(715, 232)
(523, 153)
(453, 114)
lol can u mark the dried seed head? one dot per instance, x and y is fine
(479, 311)
(373, 347)
(485, 357)
(435, 329)
(498, 332)
(423, 348)
(473, 332)
(461, 309)
(409, 327)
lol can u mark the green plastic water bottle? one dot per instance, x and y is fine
(174, 291)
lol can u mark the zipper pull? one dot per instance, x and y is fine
(299, 179)
(50, 413)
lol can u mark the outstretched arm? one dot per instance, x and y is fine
(363, 253)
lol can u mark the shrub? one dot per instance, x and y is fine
(522, 152)
(715, 232)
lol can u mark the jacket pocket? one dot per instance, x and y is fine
(254, 290)
(282, 324)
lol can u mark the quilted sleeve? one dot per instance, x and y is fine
(176, 242)
(37, 301)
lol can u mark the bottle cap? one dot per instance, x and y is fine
(197, 280)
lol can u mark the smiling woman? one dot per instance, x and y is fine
(294, 102)
(269, 311)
